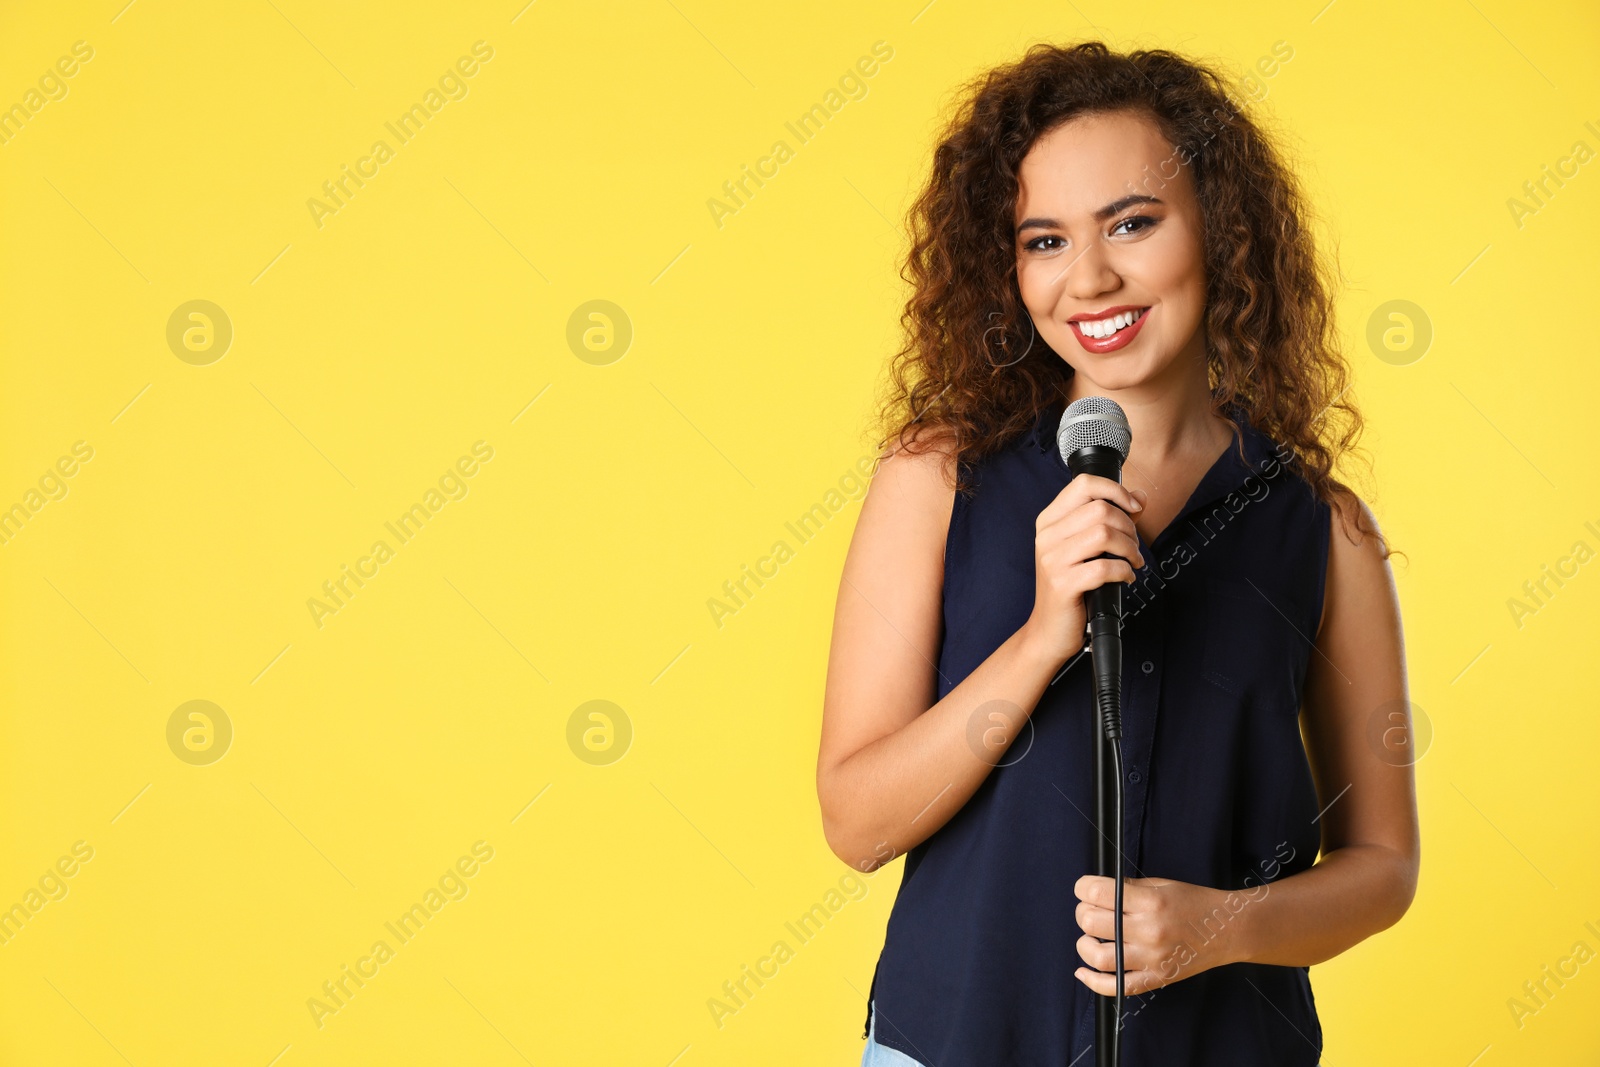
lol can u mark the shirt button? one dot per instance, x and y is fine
(1148, 667)
(1133, 776)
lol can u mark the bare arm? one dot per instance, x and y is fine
(1371, 844)
(1371, 850)
(893, 766)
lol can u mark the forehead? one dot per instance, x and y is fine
(1089, 161)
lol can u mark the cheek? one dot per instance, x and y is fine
(1183, 268)
(1040, 297)
(1173, 266)
(1040, 286)
(1189, 278)
(1188, 298)
(1177, 278)
(1031, 285)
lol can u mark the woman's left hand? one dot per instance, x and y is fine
(1170, 930)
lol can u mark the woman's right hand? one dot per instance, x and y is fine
(1089, 517)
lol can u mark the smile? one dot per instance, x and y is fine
(1109, 333)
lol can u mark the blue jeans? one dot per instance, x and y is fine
(876, 1055)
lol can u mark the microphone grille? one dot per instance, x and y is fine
(1093, 421)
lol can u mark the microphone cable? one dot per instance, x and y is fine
(1109, 698)
(1094, 438)
(1116, 1032)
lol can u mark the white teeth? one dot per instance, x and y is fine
(1103, 328)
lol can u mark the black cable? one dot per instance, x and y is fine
(1116, 1032)
(1107, 654)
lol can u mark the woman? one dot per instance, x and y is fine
(1112, 225)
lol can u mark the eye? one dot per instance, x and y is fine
(1135, 218)
(1035, 246)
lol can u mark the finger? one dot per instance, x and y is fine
(1086, 487)
(1102, 955)
(1133, 981)
(1097, 571)
(1061, 546)
(1094, 512)
(1097, 539)
(1101, 922)
(1098, 922)
(1101, 572)
(1090, 513)
(1098, 889)
(1138, 894)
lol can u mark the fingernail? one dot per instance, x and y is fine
(1136, 505)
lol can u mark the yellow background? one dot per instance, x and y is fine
(371, 352)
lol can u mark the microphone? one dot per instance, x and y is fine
(1094, 438)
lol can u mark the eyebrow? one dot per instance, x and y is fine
(1099, 216)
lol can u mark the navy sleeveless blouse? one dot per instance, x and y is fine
(978, 958)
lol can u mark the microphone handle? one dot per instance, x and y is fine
(1103, 606)
(1102, 461)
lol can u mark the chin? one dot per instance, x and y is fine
(1121, 380)
(1114, 371)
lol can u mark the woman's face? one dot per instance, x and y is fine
(1108, 222)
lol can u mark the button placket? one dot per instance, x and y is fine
(1140, 706)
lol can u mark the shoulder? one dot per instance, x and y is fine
(915, 479)
(900, 535)
(1359, 585)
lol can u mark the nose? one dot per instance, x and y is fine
(1090, 274)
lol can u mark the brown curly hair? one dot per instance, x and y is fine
(1271, 342)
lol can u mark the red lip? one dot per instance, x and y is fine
(1120, 339)
(1107, 313)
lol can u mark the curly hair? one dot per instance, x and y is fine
(1271, 342)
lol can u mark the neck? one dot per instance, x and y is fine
(1170, 415)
